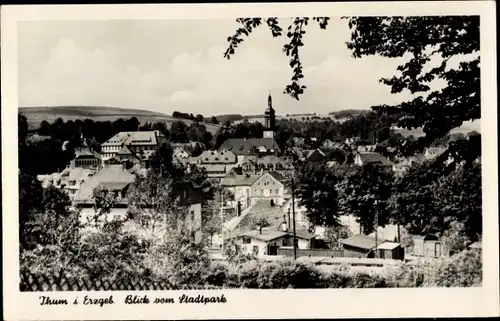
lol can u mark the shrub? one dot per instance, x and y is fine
(460, 270)
(293, 274)
(335, 279)
(248, 274)
(463, 269)
(455, 239)
(218, 274)
(288, 273)
(363, 280)
(178, 260)
(404, 275)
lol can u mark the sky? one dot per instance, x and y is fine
(178, 65)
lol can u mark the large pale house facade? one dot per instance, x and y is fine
(136, 142)
(269, 186)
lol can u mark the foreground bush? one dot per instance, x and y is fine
(460, 270)
(184, 263)
(463, 269)
(286, 273)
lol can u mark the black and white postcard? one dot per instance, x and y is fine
(218, 161)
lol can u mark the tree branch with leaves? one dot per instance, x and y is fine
(422, 39)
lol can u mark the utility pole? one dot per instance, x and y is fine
(376, 228)
(293, 217)
(399, 221)
(222, 222)
(289, 221)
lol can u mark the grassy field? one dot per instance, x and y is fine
(36, 115)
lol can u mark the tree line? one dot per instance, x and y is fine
(430, 198)
(368, 127)
(198, 118)
(51, 156)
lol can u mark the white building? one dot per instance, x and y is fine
(363, 158)
(269, 186)
(266, 241)
(300, 212)
(136, 142)
(239, 186)
(69, 180)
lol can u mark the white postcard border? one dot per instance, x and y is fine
(421, 302)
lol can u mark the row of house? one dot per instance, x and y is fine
(134, 148)
(251, 156)
(115, 176)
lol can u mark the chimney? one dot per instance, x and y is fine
(284, 225)
(259, 228)
(238, 209)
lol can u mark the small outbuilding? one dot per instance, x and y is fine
(390, 250)
(427, 246)
(365, 246)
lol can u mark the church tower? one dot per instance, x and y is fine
(270, 119)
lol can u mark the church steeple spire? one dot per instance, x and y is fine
(270, 118)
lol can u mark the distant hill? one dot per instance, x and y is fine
(347, 113)
(36, 115)
(230, 117)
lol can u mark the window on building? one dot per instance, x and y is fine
(255, 250)
(270, 192)
(192, 216)
(247, 240)
(277, 191)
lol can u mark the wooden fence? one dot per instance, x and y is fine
(42, 282)
(311, 252)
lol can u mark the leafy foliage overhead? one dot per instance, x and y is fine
(420, 38)
(295, 34)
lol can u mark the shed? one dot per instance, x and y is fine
(360, 245)
(263, 241)
(390, 250)
(426, 246)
